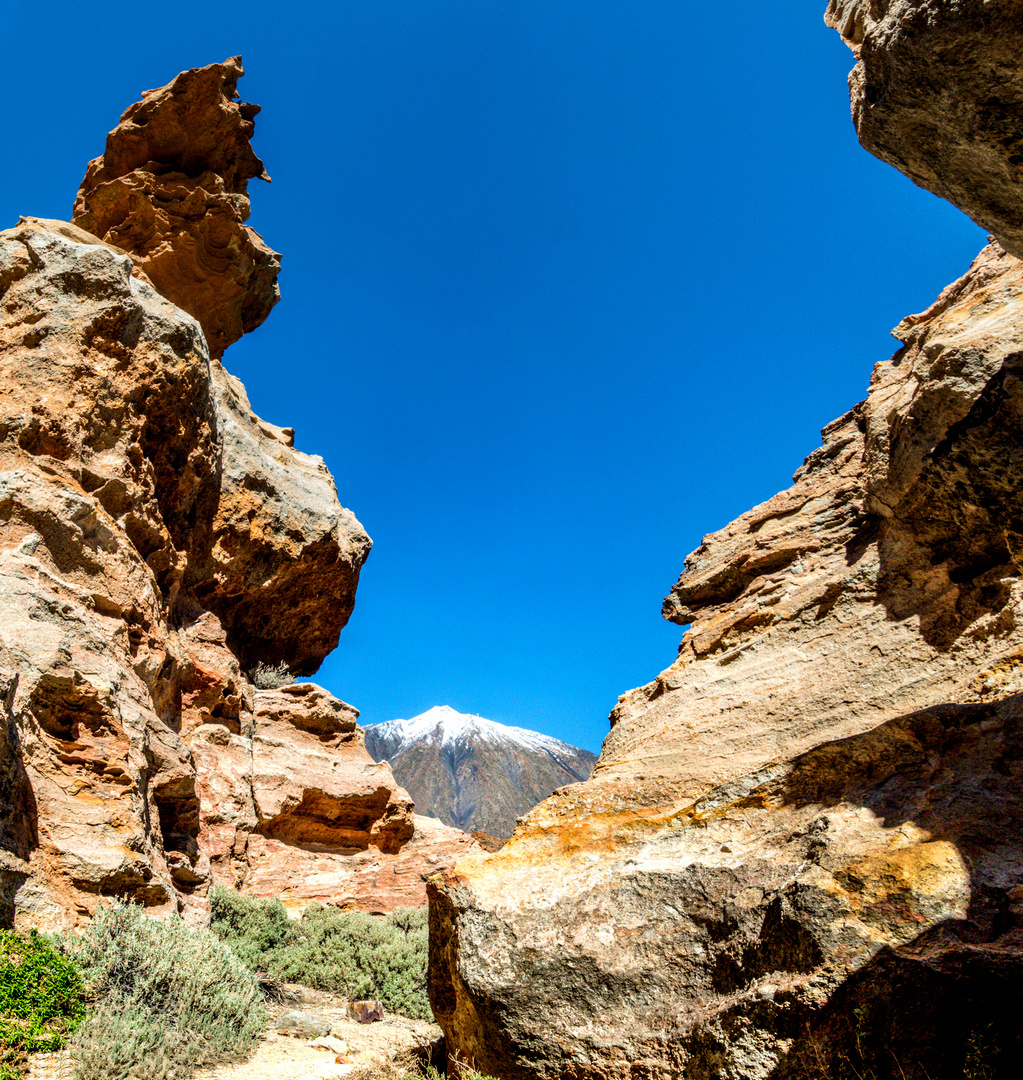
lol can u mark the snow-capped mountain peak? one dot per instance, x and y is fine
(447, 725)
(472, 772)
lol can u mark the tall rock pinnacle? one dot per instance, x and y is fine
(171, 189)
(158, 540)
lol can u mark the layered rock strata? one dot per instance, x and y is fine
(157, 539)
(801, 852)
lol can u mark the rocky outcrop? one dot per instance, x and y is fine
(171, 189)
(282, 564)
(800, 853)
(157, 539)
(937, 92)
(292, 806)
(117, 511)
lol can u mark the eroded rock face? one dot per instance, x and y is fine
(800, 853)
(283, 562)
(172, 190)
(313, 782)
(937, 92)
(292, 806)
(152, 531)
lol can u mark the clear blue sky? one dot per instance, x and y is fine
(567, 284)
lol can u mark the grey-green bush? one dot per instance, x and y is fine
(271, 676)
(166, 998)
(351, 953)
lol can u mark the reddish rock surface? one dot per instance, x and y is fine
(171, 189)
(157, 540)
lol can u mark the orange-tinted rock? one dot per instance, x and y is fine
(812, 816)
(171, 189)
(282, 564)
(314, 784)
(136, 758)
(363, 878)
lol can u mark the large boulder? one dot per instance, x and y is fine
(820, 796)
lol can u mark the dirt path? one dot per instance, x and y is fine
(368, 1048)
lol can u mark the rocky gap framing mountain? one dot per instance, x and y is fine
(801, 840)
(475, 774)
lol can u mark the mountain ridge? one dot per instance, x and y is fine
(474, 773)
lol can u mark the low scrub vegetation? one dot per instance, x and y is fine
(42, 999)
(165, 998)
(460, 1070)
(153, 1000)
(271, 676)
(357, 955)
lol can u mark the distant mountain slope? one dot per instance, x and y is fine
(473, 773)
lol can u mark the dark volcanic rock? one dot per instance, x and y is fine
(472, 773)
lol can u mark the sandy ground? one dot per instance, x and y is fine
(284, 1057)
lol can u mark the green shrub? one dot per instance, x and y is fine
(351, 953)
(42, 999)
(254, 929)
(167, 998)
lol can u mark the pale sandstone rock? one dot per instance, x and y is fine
(936, 92)
(308, 1025)
(812, 815)
(801, 852)
(285, 559)
(172, 189)
(314, 784)
(362, 878)
(151, 531)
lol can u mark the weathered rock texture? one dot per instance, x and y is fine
(171, 189)
(292, 806)
(156, 540)
(937, 92)
(801, 851)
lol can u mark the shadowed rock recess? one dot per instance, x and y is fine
(157, 539)
(800, 854)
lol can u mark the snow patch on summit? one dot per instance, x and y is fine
(446, 725)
